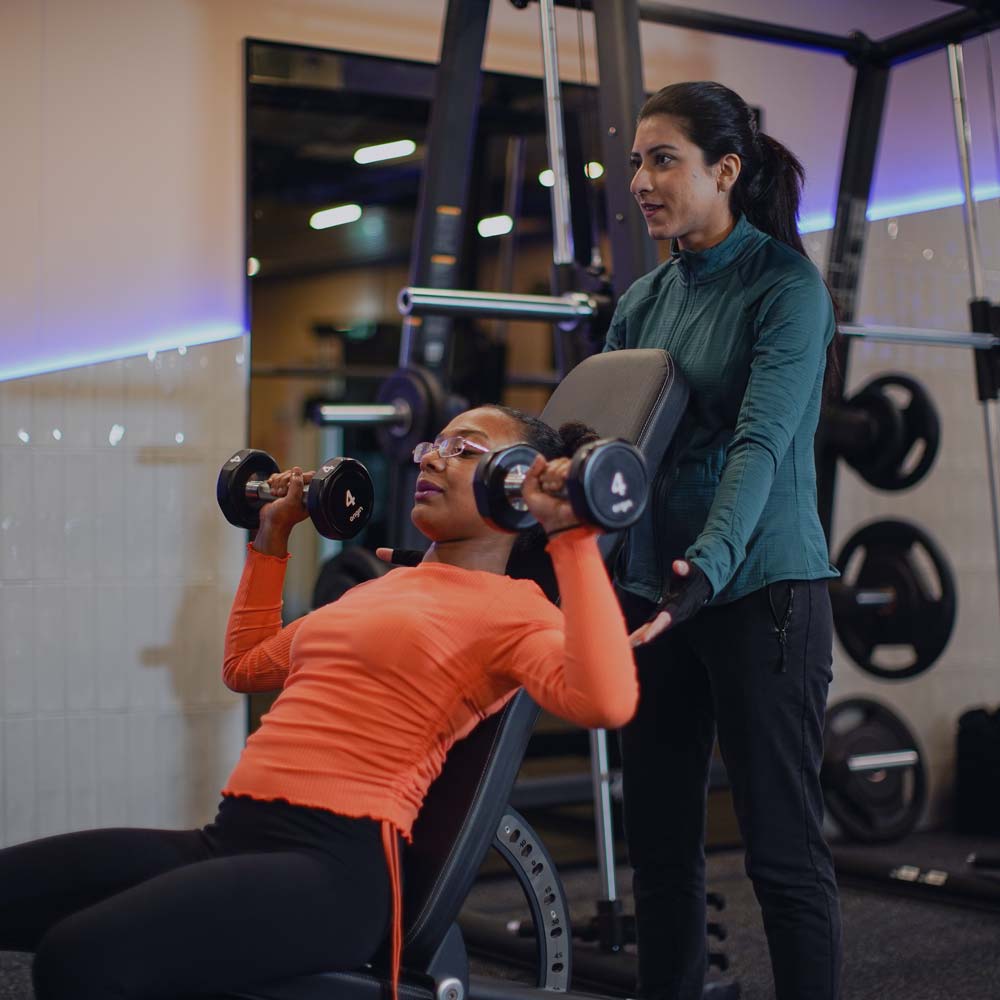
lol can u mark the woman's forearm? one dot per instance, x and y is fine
(257, 648)
(598, 668)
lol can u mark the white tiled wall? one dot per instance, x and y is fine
(916, 275)
(116, 574)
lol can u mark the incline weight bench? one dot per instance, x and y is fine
(637, 395)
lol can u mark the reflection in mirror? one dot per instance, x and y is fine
(336, 143)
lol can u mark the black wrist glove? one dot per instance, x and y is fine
(686, 596)
(406, 557)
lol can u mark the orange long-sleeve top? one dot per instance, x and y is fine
(377, 686)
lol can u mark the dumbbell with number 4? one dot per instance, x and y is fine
(339, 496)
(607, 485)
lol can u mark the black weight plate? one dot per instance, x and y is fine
(883, 449)
(922, 616)
(340, 498)
(871, 806)
(492, 502)
(921, 430)
(608, 484)
(346, 570)
(420, 391)
(230, 489)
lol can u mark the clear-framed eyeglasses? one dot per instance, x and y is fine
(449, 447)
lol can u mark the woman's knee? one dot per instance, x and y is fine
(70, 964)
(792, 872)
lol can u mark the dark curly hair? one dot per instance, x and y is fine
(528, 557)
(552, 443)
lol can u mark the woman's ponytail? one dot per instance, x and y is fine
(769, 188)
(770, 196)
(574, 436)
(718, 121)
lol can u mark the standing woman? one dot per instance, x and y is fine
(724, 581)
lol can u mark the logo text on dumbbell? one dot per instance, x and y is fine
(356, 515)
(618, 485)
(622, 506)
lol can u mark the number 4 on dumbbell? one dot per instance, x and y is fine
(607, 485)
(339, 496)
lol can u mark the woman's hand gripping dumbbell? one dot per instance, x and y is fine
(605, 482)
(253, 494)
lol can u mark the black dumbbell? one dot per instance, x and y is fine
(607, 485)
(339, 496)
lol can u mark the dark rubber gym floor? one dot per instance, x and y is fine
(896, 948)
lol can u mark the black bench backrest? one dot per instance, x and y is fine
(637, 395)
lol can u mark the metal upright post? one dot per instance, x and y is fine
(847, 241)
(981, 313)
(621, 95)
(513, 182)
(562, 227)
(563, 258)
(441, 219)
(963, 138)
(440, 224)
(563, 254)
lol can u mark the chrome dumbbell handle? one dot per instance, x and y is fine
(260, 491)
(882, 761)
(513, 482)
(398, 413)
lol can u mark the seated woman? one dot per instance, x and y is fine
(299, 871)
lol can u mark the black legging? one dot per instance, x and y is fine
(728, 668)
(265, 892)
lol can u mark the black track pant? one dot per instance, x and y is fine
(727, 668)
(265, 892)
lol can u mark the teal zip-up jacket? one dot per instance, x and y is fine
(748, 322)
